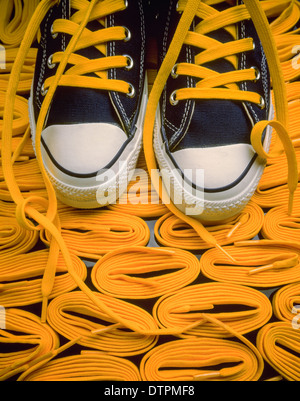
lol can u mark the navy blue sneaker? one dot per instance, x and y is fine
(218, 90)
(92, 135)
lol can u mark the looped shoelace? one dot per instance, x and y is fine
(278, 224)
(143, 273)
(241, 308)
(201, 359)
(26, 329)
(21, 275)
(174, 232)
(279, 344)
(88, 366)
(286, 304)
(92, 234)
(73, 315)
(260, 264)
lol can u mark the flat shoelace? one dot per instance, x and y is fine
(92, 234)
(241, 308)
(74, 76)
(260, 264)
(286, 304)
(201, 359)
(88, 366)
(143, 273)
(74, 316)
(21, 275)
(279, 343)
(174, 232)
(278, 224)
(24, 328)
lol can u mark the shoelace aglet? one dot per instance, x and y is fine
(242, 220)
(225, 253)
(107, 329)
(44, 309)
(207, 375)
(262, 268)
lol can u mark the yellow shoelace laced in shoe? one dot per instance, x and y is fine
(211, 21)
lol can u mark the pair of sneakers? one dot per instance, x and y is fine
(93, 53)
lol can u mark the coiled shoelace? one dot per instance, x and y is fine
(88, 366)
(241, 308)
(278, 224)
(262, 264)
(74, 315)
(279, 343)
(92, 234)
(141, 273)
(21, 275)
(201, 359)
(25, 329)
(174, 232)
(286, 304)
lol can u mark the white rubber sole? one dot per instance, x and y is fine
(106, 187)
(207, 207)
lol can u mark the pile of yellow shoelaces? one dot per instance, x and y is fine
(142, 307)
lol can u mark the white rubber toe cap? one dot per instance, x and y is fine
(222, 166)
(83, 148)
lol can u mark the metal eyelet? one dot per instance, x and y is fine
(43, 90)
(127, 34)
(257, 73)
(262, 103)
(173, 72)
(53, 34)
(131, 92)
(130, 62)
(50, 63)
(173, 100)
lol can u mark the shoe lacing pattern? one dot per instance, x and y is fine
(76, 75)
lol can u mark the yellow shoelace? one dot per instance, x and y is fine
(21, 275)
(201, 359)
(72, 315)
(279, 344)
(174, 232)
(260, 264)
(26, 329)
(286, 304)
(143, 272)
(241, 308)
(88, 366)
